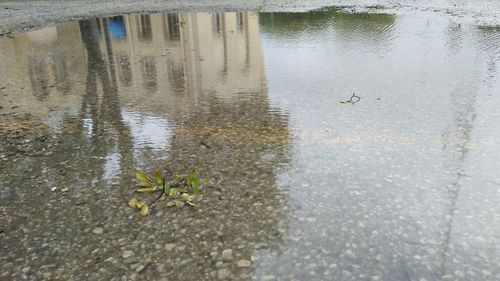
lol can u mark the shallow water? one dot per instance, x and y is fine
(399, 185)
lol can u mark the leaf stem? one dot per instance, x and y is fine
(161, 194)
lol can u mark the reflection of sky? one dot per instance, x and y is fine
(112, 166)
(147, 131)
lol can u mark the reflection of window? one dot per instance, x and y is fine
(216, 23)
(144, 28)
(117, 29)
(149, 73)
(174, 32)
(125, 72)
(38, 73)
(176, 74)
(61, 73)
(239, 20)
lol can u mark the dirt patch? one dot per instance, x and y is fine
(23, 135)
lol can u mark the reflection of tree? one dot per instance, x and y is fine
(488, 41)
(106, 112)
(373, 27)
(454, 39)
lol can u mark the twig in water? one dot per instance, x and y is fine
(354, 99)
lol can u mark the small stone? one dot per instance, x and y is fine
(222, 273)
(268, 277)
(227, 255)
(127, 254)
(169, 247)
(244, 263)
(140, 268)
(26, 269)
(98, 230)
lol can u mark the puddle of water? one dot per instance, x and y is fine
(400, 185)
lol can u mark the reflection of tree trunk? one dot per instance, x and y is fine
(110, 111)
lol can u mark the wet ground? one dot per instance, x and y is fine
(401, 184)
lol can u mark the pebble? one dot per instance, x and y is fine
(227, 255)
(127, 254)
(244, 263)
(311, 219)
(169, 247)
(140, 268)
(98, 230)
(222, 273)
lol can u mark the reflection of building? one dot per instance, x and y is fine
(42, 69)
(157, 53)
(170, 52)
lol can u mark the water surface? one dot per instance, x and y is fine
(401, 185)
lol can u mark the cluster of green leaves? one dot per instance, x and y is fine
(178, 192)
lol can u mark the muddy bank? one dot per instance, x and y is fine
(27, 15)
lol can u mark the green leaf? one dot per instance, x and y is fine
(144, 184)
(173, 192)
(146, 189)
(190, 177)
(133, 203)
(143, 178)
(184, 196)
(195, 184)
(170, 204)
(159, 178)
(140, 204)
